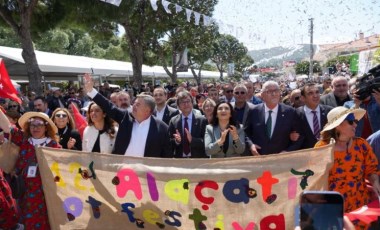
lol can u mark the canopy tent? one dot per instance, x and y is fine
(60, 66)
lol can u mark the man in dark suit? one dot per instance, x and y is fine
(241, 106)
(187, 129)
(312, 116)
(339, 93)
(270, 124)
(163, 112)
(140, 134)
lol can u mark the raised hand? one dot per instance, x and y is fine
(88, 82)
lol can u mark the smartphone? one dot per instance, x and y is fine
(321, 210)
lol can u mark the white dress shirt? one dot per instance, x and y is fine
(160, 114)
(136, 147)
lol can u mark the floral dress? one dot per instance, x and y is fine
(32, 204)
(350, 170)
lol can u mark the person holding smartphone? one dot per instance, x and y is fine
(354, 160)
(224, 137)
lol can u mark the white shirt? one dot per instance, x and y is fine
(274, 116)
(136, 147)
(310, 115)
(160, 114)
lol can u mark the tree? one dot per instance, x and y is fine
(200, 52)
(179, 37)
(26, 18)
(226, 49)
(303, 67)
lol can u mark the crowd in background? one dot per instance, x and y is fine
(213, 120)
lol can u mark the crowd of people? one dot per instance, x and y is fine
(216, 120)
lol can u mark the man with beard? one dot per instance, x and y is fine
(163, 112)
(270, 124)
(124, 101)
(339, 94)
(40, 105)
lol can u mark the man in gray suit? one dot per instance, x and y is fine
(339, 94)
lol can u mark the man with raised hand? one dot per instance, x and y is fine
(136, 129)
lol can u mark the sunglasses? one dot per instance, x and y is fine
(33, 123)
(12, 106)
(60, 115)
(229, 91)
(237, 93)
(351, 122)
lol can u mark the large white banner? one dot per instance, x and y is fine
(101, 191)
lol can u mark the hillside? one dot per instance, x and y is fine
(276, 55)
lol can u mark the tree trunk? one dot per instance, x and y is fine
(31, 64)
(136, 53)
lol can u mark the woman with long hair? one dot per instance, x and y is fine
(99, 135)
(224, 137)
(36, 129)
(354, 160)
(69, 137)
(208, 109)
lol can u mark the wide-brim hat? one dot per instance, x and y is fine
(338, 114)
(26, 116)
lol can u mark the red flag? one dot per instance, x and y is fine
(80, 122)
(367, 213)
(7, 90)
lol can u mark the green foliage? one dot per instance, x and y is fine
(78, 42)
(339, 59)
(303, 67)
(227, 49)
(8, 37)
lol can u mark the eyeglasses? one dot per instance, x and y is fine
(237, 93)
(351, 122)
(185, 102)
(72, 93)
(229, 91)
(272, 92)
(12, 106)
(297, 98)
(38, 126)
(60, 115)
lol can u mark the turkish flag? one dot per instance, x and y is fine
(80, 122)
(7, 90)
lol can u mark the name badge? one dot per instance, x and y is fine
(32, 171)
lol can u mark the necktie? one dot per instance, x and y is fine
(315, 124)
(269, 124)
(186, 145)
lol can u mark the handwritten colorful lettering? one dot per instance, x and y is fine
(99, 191)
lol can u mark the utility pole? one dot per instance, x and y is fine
(311, 48)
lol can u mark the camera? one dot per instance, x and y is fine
(368, 82)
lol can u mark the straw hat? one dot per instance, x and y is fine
(338, 114)
(26, 116)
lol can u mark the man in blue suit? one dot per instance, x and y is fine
(312, 116)
(140, 134)
(270, 124)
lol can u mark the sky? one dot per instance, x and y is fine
(268, 23)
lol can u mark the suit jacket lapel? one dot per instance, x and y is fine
(279, 120)
(323, 116)
(152, 133)
(194, 125)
